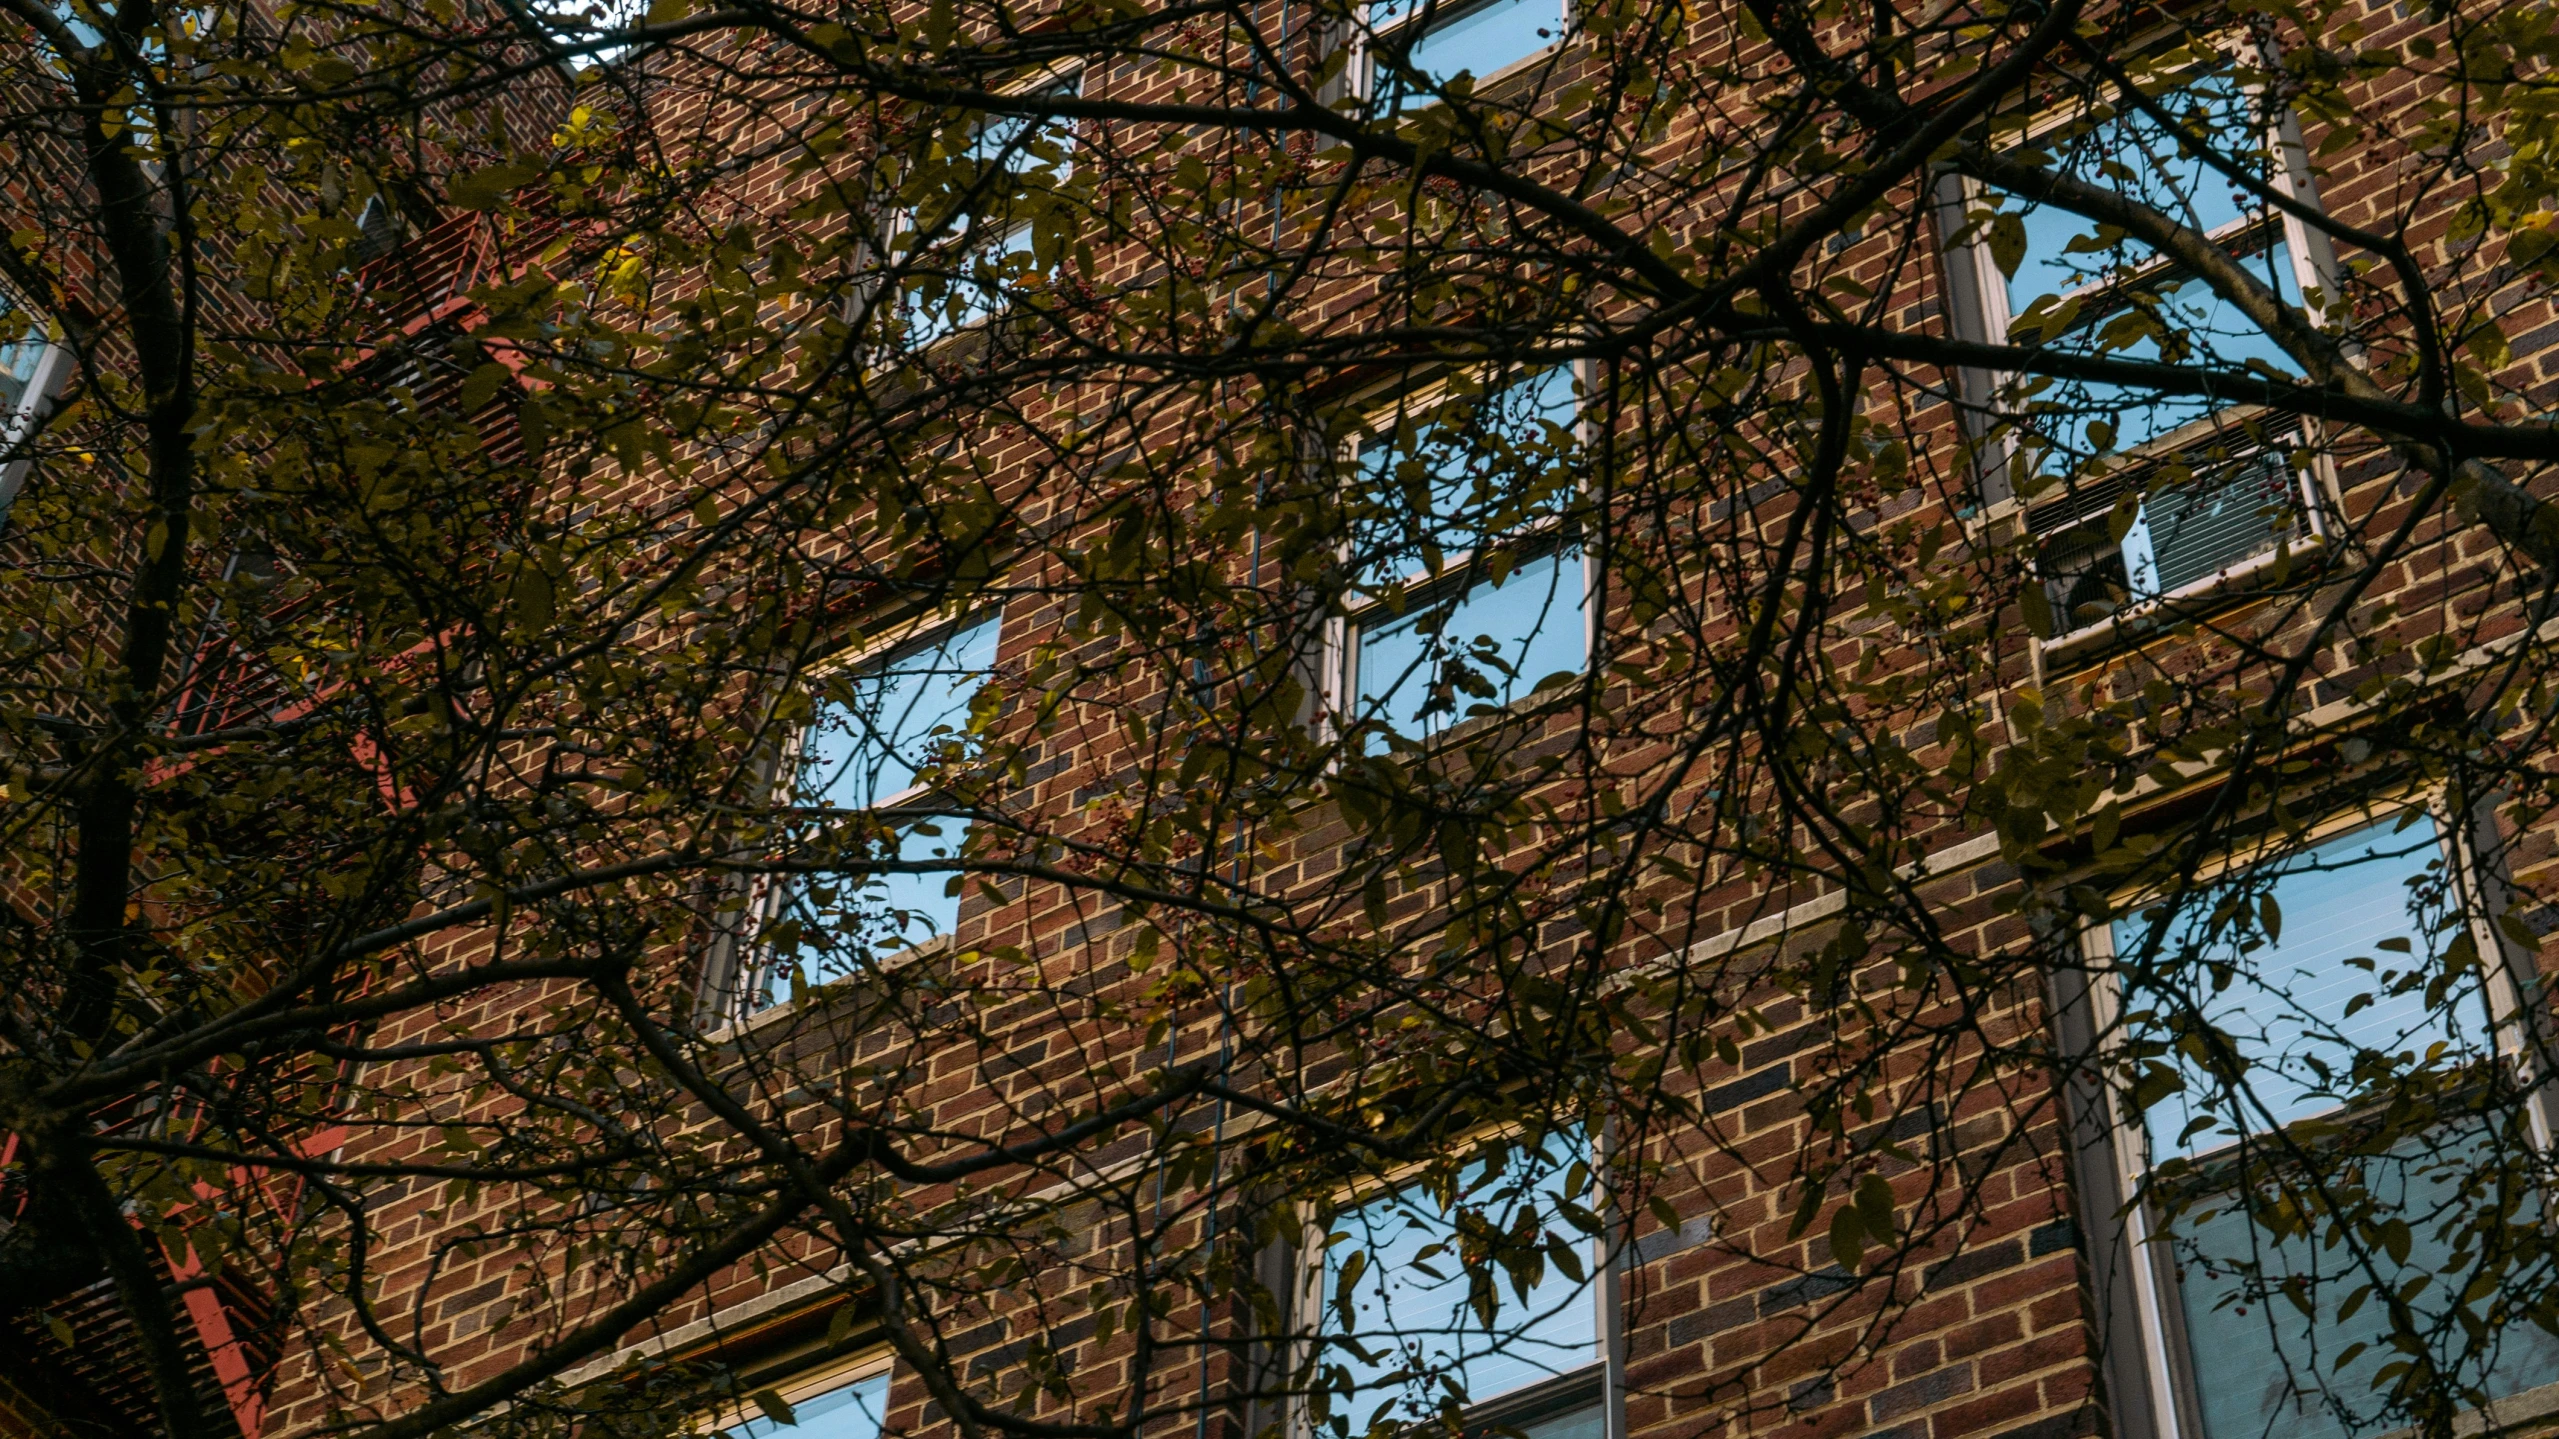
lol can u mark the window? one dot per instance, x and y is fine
(1417, 47)
(2304, 991)
(1467, 593)
(1399, 1275)
(980, 242)
(834, 1408)
(24, 350)
(2182, 489)
(31, 369)
(857, 773)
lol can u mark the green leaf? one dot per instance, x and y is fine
(1848, 1237)
(774, 1409)
(2488, 346)
(2038, 609)
(2120, 522)
(488, 189)
(2396, 1239)
(1875, 1206)
(531, 599)
(484, 384)
(2008, 242)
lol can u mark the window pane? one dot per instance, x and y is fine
(1444, 660)
(1465, 474)
(1479, 41)
(22, 347)
(2224, 512)
(851, 1412)
(860, 753)
(979, 252)
(867, 747)
(1411, 1306)
(921, 905)
(2283, 1001)
(2133, 156)
(2263, 1367)
(836, 925)
(2207, 331)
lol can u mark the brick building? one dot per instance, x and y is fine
(1967, 1258)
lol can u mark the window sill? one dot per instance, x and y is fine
(1545, 1399)
(2499, 1416)
(812, 997)
(2151, 619)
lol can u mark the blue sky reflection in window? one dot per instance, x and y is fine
(1469, 596)
(1410, 1301)
(1438, 40)
(879, 732)
(850, 1411)
(2086, 289)
(22, 350)
(2314, 1004)
(976, 252)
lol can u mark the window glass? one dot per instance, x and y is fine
(2295, 1003)
(852, 1411)
(837, 924)
(1442, 39)
(1585, 1420)
(2131, 154)
(22, 350)
(1487, 647)
(1450, 488)
(2292, 998)
(83, 20)
(1411, 1305)
(2201, 328)
(867, 747)
(1468, 472)
(2263, 1367)
(2080, 288)
(988, 241)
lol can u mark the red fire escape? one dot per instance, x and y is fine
(78, 1358)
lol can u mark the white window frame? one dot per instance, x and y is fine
(1979, 288)
(20, 421)
(868, 1364)
(1607, 1368)
(960, 245)
(2165, 1364)
(1369, 38)
(1343, 632)
(748, 966)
